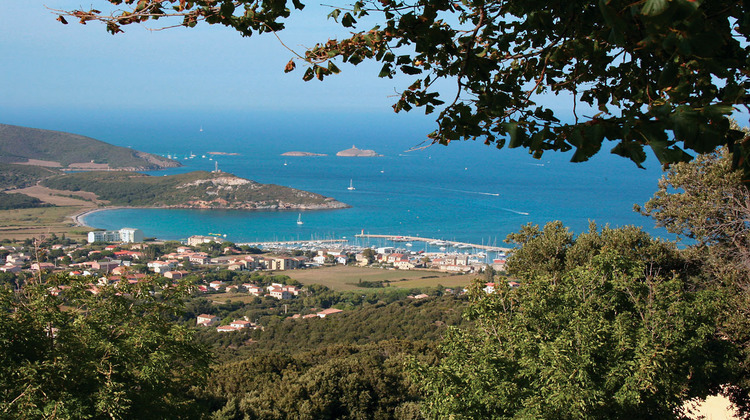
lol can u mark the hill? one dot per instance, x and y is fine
(20, 176)
(200, 190)
(32, 146)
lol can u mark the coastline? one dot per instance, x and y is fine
(79, 216)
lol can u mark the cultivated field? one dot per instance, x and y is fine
(33, 223)
(346, 277)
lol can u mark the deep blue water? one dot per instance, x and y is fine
(464, 191)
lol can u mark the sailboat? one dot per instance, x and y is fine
(299, 219)
(351, 186)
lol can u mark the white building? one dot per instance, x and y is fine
(128, 235)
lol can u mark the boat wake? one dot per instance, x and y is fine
(523, 213)
(470, 192)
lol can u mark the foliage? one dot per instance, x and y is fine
(368, 320)
(332, 382)
(617, 335)
(196, 189)
(21, 176)
(662, 74)
(115, 354)
(18, 144)
(19, 201)
(706, 201)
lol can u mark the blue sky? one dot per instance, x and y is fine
(50, 65)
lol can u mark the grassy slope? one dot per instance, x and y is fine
(20, 176)
(20, 143)
(135, 189)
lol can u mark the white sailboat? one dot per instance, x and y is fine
(299, 219)
(351, 186)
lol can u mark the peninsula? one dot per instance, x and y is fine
(354, 152)
(193, 190)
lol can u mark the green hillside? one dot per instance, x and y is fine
(21, 176)
(19, 144)
(191, 190)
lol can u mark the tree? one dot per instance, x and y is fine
(707, 202)
(618, 335)
(656, 73)
(115, 354)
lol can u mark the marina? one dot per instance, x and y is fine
(432, 241)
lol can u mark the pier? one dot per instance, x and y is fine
(301, 241)
(401, 238)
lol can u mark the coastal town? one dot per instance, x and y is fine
(111, 257)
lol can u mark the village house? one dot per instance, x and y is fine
(176, 275)
(161, 266)
(199, 258)
(253, 289)
(17, 258)
(216, 285)
(207, 320)
(279, 293)
(324, 313)
(226, 328)
(106, 266)
(10, 268)
(241, 324)
(37, 266)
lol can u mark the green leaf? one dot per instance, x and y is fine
(654, 7)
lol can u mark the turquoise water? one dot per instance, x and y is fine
(466, 191)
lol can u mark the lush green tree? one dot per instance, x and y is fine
(656, 73)
(705, 201)
(115, 354)
(613, 337)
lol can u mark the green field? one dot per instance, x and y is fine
(37, 222)
(346, 277)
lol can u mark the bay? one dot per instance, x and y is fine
(465, 191)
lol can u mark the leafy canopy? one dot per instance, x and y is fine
(612, 330)
(658, 73)
(115, 354)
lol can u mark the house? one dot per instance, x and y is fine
(240, 324)
(329, 311)
(231, 288)
(119, 270)
(489, 288)
(198, 239)
(253, 289)
(161, 266)
(279, 293)
(404, 264)
(106, 266)
(199, 258)
(226, 328)
(176, 275)
(184, 249)
(216, 285)
(319, 259)
(10, 268)
(207, 320)
(42, 266)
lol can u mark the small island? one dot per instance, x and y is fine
(303, 154)
(354, 152)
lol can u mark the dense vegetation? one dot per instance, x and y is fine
(194, 189)
(21, 176)
(115, 354)
(19, 201)
(18, 144)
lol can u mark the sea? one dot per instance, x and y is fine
(465, 191)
